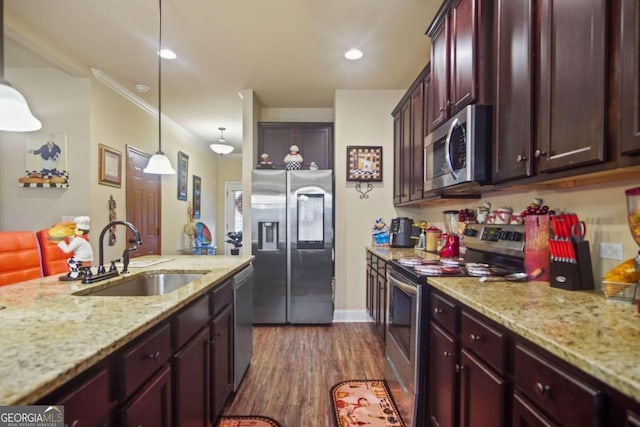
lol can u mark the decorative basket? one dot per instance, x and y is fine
(620, 291)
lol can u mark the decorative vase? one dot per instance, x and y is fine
(235, 251)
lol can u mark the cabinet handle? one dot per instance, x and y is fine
(542, 389)
(437, 311)
(447, 354)
(154, 356)
(442, 109)
(539, 153)
(459, 368)
(75, 423)
(521, 158)
(475, 337)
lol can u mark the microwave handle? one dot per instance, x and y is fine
(447, 147)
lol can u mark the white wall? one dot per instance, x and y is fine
(362, 117)
(296, 114)
(61, 102)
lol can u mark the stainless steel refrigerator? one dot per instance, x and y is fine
(292, 241)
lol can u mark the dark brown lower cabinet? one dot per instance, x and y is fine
(483, 394)
(89, 402)
(442, 377)
(526, 415)
(151, 406)
(191, 382)
(377, 293)
(221, 360)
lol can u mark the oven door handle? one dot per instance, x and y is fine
(407, 288)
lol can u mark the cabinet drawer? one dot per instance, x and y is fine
(189, 321)
(221, 296)
(142, 359)
(445, 312)
(485, 341)
(563, 397)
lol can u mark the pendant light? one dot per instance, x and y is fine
(220, 146)
(15, 115)
(159, 163)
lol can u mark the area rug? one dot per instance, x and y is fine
(247, 421)
(364, 402)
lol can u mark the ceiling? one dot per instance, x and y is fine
(290, 52)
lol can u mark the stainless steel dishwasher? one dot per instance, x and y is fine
(242, 323)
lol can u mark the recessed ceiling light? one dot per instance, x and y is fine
(353, 54)
(167, 54)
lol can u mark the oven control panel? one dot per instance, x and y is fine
(506, 239)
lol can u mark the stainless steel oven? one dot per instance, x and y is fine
(457, 154)
(405, 338)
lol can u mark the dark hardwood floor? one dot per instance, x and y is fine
(293, 368)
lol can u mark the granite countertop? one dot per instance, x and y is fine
(49, 336)
(599, 336)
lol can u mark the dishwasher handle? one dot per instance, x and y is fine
(397, 280)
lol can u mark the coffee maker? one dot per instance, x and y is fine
(403, 232)
(451, 247)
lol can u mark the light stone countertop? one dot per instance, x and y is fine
(48, 336)
(583, 328)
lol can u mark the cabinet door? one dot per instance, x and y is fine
(514, 85)
(88, 404)
(630, 51)
(221, 360)
(370, 284)
(191, 381)
(381, 309)
(275, 141)
(442, 378)
(416, 156)
(482, 394)
(397, 158)
(426, 127)
(405, 181)
(316, 143)
(439, 96)
(571, 81)
(463, 32)
(151, 406)
(526, 415)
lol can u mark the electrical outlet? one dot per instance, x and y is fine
(611, 251)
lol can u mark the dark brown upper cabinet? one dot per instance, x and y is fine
(315, 141)
(571, 83)
(461, 68)
(513, 109)
(630, 93)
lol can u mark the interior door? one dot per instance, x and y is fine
(143, 202)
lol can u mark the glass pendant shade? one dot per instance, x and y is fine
(159, 164)
(220, 148)
(15, 115)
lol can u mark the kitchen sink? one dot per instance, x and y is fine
(146, 284)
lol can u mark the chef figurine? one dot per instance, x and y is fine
(265, 162)
(293, 160)
(313, 166)
(81, 248)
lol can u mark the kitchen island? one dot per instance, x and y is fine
(585, 330)
(49, 335)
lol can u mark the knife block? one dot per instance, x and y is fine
(573, 276)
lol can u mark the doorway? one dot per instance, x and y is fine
(143, 202)
(232, 211)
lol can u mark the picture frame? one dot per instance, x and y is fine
(109, 166)
(364, 163)
(197, 192)
(46, 161)
(183, 175)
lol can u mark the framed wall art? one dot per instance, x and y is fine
(109, 166)
(197, 190)
(183, 175)
(364, 163)
(46, 164)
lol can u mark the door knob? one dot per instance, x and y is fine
(521, 158)
(539, 153)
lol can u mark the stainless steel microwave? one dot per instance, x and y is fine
(457, 155)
